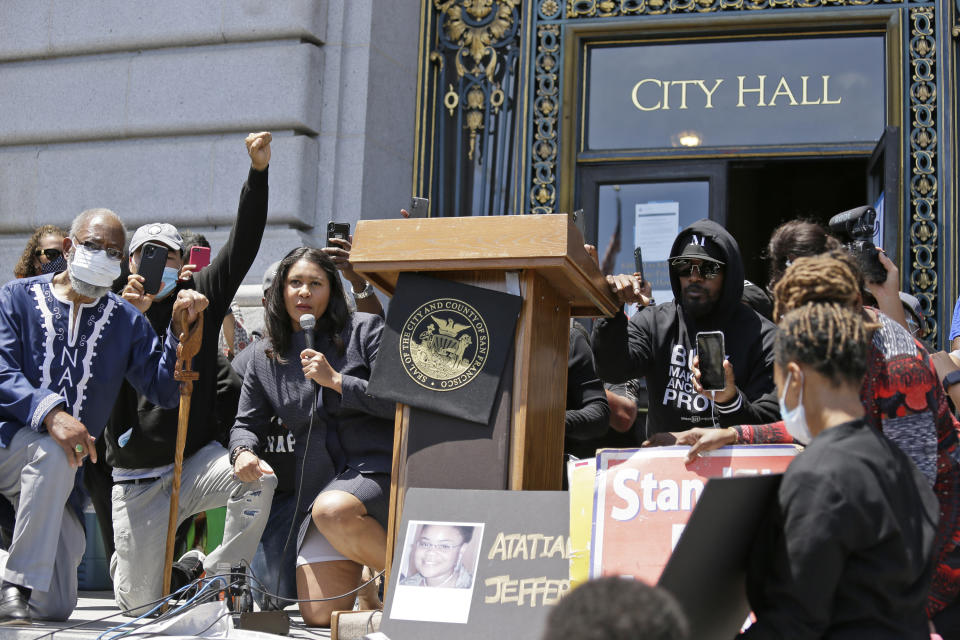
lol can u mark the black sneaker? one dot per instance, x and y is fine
(186, 570)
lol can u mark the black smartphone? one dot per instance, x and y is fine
(340, 230)
(711, 350)
(580, 222)
(153, 258)
(638, 262)
(418, 207)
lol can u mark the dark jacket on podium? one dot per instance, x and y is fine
(152, 429)
(659, 342)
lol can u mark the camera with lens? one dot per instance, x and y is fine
(856, 228)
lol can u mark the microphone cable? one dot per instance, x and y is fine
(307, 323)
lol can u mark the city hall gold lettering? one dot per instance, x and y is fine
(653, 94)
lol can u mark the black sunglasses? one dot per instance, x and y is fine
(683, 268)
(52, 254)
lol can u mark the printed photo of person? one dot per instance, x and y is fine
(437, 557)
(437, 571)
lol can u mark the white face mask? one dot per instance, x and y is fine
(93, 267)
(795, 419)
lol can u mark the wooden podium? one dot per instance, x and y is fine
(542, 259)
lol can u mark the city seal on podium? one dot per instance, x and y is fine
(444, 344)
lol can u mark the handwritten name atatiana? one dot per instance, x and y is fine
(532, 592)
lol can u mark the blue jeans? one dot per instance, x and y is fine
(267, 565)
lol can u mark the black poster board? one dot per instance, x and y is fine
(711, 586)
(517, 561)
(444, 346)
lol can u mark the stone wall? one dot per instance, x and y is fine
(142, 106)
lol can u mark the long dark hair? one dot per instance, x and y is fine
(277, 320)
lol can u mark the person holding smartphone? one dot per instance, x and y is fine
(659, 342)
(338, 249)
(140, 436)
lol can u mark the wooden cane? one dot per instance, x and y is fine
(189, 347)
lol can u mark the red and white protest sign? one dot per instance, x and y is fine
(644, 498)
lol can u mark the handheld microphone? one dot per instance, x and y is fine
(307, 323)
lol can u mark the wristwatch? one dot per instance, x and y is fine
(366, 293)
(951, 379)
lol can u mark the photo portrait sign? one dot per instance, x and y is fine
(649, 494)
(444, 346)
(477, 564)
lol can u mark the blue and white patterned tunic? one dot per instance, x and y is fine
(46, 361)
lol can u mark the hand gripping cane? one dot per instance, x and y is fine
(189, 347)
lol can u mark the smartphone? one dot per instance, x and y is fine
(638, 262)
(153, 258)
(711, 350)
(418, 207)
(199, 256)
(340, 230)
(580, 222)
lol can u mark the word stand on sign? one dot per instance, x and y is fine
(649, 494)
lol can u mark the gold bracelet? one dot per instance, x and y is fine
(736, 435)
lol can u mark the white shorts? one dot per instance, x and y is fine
(312, 546)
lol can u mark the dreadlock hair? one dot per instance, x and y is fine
(24, 268)
(277, 320)
(832, 277)
(796, 239)
(829, 337)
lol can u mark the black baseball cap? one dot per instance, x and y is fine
(700, 247)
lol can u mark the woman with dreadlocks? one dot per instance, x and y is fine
(849, 548)
(901, 396)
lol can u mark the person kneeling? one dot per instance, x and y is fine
(848, 548)
(313, 377)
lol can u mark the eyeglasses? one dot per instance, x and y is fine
(683, 268)
(51, 254)
(443, 548)
(112, 253)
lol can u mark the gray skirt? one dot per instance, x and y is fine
(372, 489)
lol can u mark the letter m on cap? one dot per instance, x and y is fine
(700, 240)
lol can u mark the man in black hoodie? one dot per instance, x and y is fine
(659, 342)
(140, 436)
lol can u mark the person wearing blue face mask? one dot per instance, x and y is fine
(165, 235)
(848, 550)
(140, 437)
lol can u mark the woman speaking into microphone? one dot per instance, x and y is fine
(312, 373)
